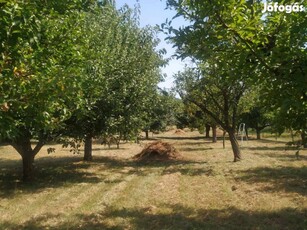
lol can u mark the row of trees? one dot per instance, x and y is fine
(243, 59)
(250, 112)
(81, 68)
(76, 68)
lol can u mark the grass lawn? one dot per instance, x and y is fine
(204, 190)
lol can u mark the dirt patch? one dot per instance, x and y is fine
(158, 151)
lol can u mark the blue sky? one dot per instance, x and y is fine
(153, 12)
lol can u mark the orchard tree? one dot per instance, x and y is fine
(39, 71)
(161, 113)
(122, 69)
(201, 121)
(216, 95)
(273, 43)
(255, 113)
(257, 118)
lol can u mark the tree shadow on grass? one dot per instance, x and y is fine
(289, 179)
(183, 138)
(177, 217)
(6, 163)
(284, 156)
(203, 171)
(149, 138)
(268, 141)
(107, 148)
(265, 148)
(48, 174)
(63, 171)
(142, 168)
(187, 149)
(194, 143)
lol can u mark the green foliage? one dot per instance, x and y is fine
(162, 111)
(191, 116)
(75, 66)
(270, 46)
(217, 97)
(122, 72)
(256, 118)
(39, 66)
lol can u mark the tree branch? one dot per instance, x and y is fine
(211, 114)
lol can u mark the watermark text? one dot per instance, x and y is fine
(275, 7)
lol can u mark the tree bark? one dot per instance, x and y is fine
(207, 131)
(28, 166)
(88, 148)
(292, 136)
(224, 134)
(235, 146)
(147, 134)
(304, 138)
(258, 131)
(214, 138)
(23, 146)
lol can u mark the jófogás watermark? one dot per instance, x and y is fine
(275, 7)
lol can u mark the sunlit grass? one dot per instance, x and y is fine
(205, 190)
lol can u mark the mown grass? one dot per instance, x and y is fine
(204, 190)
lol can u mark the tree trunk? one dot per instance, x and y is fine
(258, 131)
(292, 136)
(24, 148)
(88, 148)
(28, 166)
(224, 134)
(235, 146)
(214, 138)
(117, 144)
(147, 134)
(304, 138)
(207, 131)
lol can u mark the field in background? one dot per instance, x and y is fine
(205, 190)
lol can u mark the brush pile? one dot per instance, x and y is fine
(179, 132)
(158, 151)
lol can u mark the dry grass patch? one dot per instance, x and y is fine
(202, 190)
